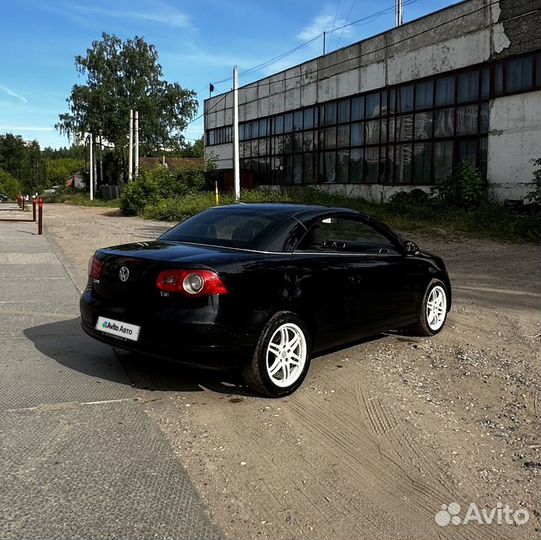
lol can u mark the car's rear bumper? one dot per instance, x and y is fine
(211, 346)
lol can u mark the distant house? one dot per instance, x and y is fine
(172, 163)
(76, 182)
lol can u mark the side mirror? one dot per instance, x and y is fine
(411, 247)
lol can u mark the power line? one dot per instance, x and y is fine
(398, 42)
(347, 19)
(334, 22)
(361, 55)
(366, 19)
(213, 107)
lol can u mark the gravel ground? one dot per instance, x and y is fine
(382, 433)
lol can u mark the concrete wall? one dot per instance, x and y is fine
(472, 32)
(514, 140)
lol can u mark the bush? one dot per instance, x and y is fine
(160, 184)
(535, 195)
(181, 208)
(404, 199)
(465, 188)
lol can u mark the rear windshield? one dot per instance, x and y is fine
(231, 227)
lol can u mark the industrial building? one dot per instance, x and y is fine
(399, 110)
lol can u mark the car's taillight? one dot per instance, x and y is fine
(94, 268)
(191, 282)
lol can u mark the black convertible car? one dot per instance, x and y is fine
(260, 287)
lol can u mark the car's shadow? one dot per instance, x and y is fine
(66, 343)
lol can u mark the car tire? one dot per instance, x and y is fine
(433, 310)
(281, 358)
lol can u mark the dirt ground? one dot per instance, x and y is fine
(383, 433)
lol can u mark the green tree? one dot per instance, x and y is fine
(12, 152)
(124, 75)
(59, 170)
(195, 150)
(9, 184)
(23, 160)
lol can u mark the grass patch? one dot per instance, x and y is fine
(81, 199)
(431, 217)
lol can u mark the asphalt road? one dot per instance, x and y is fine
(79, 457)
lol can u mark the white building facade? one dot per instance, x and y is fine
(397, 111)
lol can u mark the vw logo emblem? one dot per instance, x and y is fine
(124, 273)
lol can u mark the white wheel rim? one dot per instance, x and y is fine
(286, 355)
(436, 308)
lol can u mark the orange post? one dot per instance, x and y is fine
(40, 216)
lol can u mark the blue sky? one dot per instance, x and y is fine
(198, 42)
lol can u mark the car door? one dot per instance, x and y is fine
(367, 269)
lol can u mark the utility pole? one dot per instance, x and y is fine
(399, 12)
(324, 47)
(136, 144)
(130, 149)
(91, 169)
(236, 160)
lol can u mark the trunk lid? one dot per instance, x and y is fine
(130, 271)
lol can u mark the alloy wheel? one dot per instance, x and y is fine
(436, 308)
(286, 355)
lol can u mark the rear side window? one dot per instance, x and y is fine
(225, 227)
(347, 236)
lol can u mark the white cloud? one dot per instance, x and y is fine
(10, 92)
(159, 13)
(325, 22)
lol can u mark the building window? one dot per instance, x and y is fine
(357, 134)
(445, 91)
(424, 94)
(356, 165)
(413, 133)
(373, 105)
(468, 87)
(297, 121)
(343, 136)
(422, 163)
(308, 118)
(327, 169)
(405, 98)
(402, 162)
(466, 120)
(423, 125)
(342, 167)
(444, 122)
(343, 111)
(519, 74)
(288, 123)
(357, 108)
(221, 135)
(443, 160)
